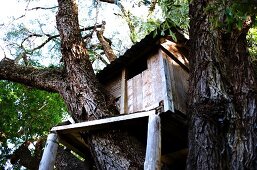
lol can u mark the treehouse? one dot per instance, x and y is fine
(149, 72)
(149, 80)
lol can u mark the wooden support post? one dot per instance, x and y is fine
(48, 159)
(153, 149)
(123, 100)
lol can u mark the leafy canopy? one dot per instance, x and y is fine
(27, 114)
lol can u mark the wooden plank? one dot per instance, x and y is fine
(179, 78)
(130, 95)
(50, 151)
(147, 89)
(167, 83)
(78, 146)
(153, 149)
(175, 58)
(158, 81)
(137, 93)
(123, 99)
(97, 124)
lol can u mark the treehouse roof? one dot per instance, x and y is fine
(141, 49)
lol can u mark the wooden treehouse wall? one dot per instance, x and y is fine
(163, 80)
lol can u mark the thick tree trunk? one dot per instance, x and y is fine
(222, 127)
(85, 99)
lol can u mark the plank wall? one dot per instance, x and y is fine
(163, 80)
(146, 90)
(178, 77)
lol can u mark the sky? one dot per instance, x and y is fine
(116, 28)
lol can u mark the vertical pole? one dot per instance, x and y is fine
(153, 149)
(48, 159)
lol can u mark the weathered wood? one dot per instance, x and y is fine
(113, 87)
(74, 142)
(157, 82)
(164, 79)
(137, 93)
(167, 84)
(177, 81)
(153, 149)
(175, 58)
(49, 155)
(130, 95)
(147, 89)
(100, 123)
(123, 97)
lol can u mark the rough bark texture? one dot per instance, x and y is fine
(23, 157)
(66, 161)
(222, 127)
(45, 79)
(82, 93)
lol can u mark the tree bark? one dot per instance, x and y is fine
(82, 93)
(44, 79)
(23, 157)
(65, 160)
(222, 96)
(86, 100)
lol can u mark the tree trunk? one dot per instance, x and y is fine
(222, 96)
(65, 160)
(85, 99)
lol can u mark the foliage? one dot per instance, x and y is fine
(27, 114)
(176, 13)
(228, 15)
(252, 43)
(142, 25)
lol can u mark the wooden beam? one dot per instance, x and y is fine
(153, 149)
(76, 144)
(183, 66)
(124, 97)
(48, 159)
(100, 123)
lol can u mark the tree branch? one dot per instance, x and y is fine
(49, 79)
(51, 37)
(108, 1)
(37, 8)
(105, 44)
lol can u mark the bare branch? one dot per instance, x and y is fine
(45, 42)
(152, 7)
(91, 27)
(105, 44)
(29, 36)
(37, 8)
(3, 51)
(53, 37)
(108, 1)
(48, 79)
